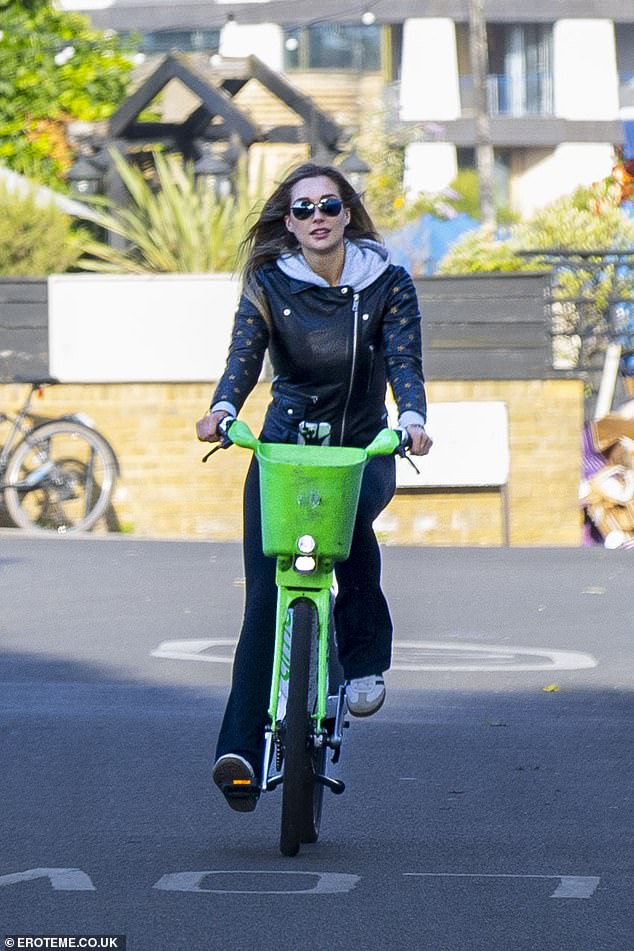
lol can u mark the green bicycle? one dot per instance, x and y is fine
(309, 498)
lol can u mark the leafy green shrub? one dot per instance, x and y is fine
(583, 290)
(37, 239)
(180, 228)
(582, 221)
(467, 187)
(480, 252)
(54, 68)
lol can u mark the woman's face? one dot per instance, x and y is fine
(320, 233)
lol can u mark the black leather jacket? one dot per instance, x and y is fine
(333, 351)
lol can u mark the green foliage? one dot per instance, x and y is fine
(383, 193)
(36, 239)
(588, 220)
(581, 222)
(180, 228)
(479, 252)
(466, 186)
(466, 189)
(38, 95)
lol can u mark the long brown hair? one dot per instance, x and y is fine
(269, 237)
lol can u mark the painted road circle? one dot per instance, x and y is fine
(414, 656)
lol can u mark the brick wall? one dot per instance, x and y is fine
(165, 490)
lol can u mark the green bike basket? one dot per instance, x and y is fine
(309, 490)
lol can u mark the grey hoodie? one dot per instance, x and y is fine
(365, 261)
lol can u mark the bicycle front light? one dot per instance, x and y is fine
(305, 564)
(306, 544)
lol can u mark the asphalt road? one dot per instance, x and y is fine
(489, 805)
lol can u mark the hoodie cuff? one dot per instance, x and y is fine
(410, 418)
(224, 407)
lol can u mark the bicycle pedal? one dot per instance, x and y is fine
(238, 790)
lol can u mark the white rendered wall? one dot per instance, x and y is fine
(559, 173)
(429, 167)
(263, 40)
(429, 88)
(128, 328)
(585, 72)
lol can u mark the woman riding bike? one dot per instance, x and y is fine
(339, 322)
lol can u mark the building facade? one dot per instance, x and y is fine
(560, 79)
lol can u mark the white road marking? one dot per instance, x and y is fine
(193, 650)
(447, 656)
(328, 883)
(61, 879)
(570, 886)
(414, 656)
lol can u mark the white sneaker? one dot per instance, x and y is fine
(365, 695)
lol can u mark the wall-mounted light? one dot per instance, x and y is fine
(84, 178)
(213, 172)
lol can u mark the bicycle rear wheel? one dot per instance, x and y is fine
(60, 478)
(302, 797)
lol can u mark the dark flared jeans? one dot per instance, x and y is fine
(362, 618)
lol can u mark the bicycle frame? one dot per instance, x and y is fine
(317, 591)
(17, 429)
(313, 586)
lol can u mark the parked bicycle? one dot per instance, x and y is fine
(309, 498)
(56, 475)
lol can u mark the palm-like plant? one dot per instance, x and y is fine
(180, 228)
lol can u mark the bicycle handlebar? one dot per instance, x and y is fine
(232, 430)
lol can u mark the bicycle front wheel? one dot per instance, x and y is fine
(301, 795)
(60, 478)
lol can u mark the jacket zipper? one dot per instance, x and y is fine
(355, 315)
(371, 373)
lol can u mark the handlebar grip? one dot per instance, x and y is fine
(405, 442)
(224, 439)
(223, 429)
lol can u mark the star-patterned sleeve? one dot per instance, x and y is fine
(403, 350)
(249, 340)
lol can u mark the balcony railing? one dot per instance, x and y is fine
(530, 95)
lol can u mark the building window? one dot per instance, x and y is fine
(339, 46)
(520, 80)
(520, 69)
(624, 35)
(186, 41)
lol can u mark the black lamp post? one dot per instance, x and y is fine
(84, 178)
(355, 170)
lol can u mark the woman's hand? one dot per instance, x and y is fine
(207, 427)
(421, 441)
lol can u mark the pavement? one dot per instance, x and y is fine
(489, 804)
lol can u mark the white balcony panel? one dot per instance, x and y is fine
(585, 70)
(429, 75)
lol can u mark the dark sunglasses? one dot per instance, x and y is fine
(304, 209)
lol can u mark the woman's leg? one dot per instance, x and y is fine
(362, 617)
(242, 729)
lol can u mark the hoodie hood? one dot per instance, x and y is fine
(365, 261)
